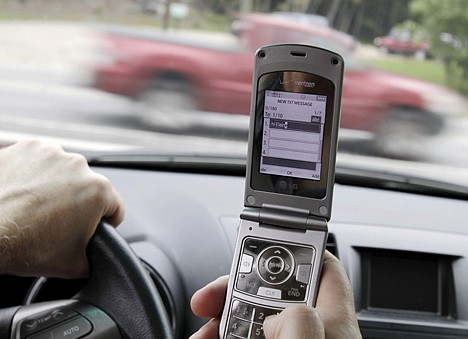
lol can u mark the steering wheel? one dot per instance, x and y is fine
(119, 300)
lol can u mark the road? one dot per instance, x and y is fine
(83, 118)
(45, 92)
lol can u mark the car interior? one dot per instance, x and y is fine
(398, 219)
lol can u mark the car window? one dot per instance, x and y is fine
(122, 77)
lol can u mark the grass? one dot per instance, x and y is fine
(427, 70)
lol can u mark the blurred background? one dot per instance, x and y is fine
(174, 76)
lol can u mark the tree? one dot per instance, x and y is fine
(346, 16)
(365, 19)
(447, 21)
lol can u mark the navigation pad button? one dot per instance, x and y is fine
(275, 265)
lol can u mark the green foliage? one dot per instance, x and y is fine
(427, 70)
(417, 31)
(365, 19)
(447, 21)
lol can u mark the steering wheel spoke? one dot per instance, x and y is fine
(119, 300)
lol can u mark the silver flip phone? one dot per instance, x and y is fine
(292, 146)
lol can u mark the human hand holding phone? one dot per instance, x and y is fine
(282, 235)
(333, 317)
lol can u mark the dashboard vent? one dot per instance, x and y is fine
(331, 245)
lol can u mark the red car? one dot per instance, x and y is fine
(403, 42)
(173, 78)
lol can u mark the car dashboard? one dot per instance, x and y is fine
(405, 254)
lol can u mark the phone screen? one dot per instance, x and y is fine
(294, 113)
(293, 134)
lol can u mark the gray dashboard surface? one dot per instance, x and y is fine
(193, 218)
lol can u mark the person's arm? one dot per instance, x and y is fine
(333, 317)
(50, 205)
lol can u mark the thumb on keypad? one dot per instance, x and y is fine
(298, 322)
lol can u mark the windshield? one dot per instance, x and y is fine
(172, 79)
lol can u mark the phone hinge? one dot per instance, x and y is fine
(284, 217)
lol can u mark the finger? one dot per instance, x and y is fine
(112, 206)
(208, 302)
(207, 331)
(335, 301)
(298, 322)
(335, 288)
(115, 211)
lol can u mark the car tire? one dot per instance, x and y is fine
(384, 50)
(420, 55)
(167, 104)
(404, 133)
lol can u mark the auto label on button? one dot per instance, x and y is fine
(72, 329)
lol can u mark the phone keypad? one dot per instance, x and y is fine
(246, 320)
(275, 270)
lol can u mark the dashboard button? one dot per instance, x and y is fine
(44, 320)
(72, 329)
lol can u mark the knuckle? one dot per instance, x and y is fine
(78, 160)
(100, 186)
